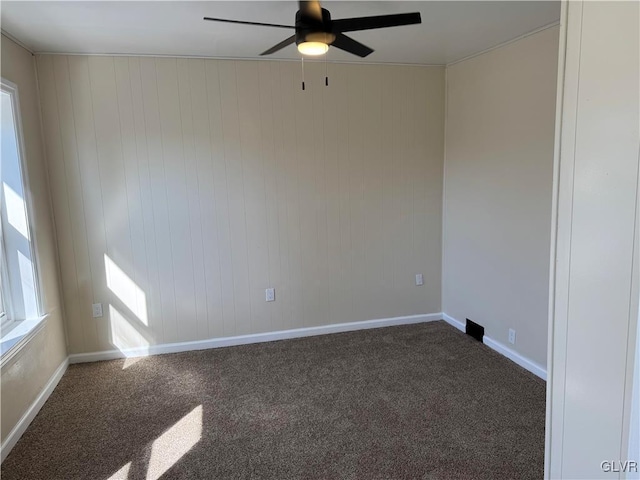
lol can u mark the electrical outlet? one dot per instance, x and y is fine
(97, 310)
(270, 294)
(512, 336)
(419, 279)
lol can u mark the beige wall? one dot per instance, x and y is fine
(205, 182)
(27, 372)
(595, 315)
(498, 185)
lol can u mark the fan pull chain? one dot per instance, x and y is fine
(326, 75)
(302, 73)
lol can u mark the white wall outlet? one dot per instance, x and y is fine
(270, 294)
(419, 279)
(512, 336)
(97, 310)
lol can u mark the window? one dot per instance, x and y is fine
(20, 312)
(3, 312)
(4, 284)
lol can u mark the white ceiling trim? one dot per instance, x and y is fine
(16, 41)
(241, 59)
(310, 60)
(504, 44)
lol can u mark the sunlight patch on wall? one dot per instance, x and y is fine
(16, 210)
(125, 336)
(173, 444)
(127, 291)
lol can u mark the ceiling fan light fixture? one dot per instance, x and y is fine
(313, 48)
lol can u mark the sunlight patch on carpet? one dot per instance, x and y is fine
(121, 474)
(173, 444)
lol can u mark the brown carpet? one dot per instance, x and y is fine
(421, 402)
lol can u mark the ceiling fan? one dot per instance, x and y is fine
(315, 31)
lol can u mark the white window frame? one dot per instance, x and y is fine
(6, 318)
(30, 326)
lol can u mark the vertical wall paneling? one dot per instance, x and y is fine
(183, 188)
(271, 137)
(387, 102)
(255, 221)
(53, 141)
(134, 301)
(171, 125)
(205, 243)
(73, 179)
(144, 240)
(221, 300)
(195, 311)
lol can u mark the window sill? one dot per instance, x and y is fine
(15, 339)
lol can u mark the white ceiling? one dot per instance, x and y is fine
(450, 30)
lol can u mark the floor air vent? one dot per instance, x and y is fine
(475, 330)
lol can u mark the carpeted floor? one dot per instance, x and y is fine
(412, 402)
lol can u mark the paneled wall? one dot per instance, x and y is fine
(182, 188)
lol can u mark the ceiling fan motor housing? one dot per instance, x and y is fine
(309, 29)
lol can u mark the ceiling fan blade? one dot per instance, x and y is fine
(242, 22)
(311, 9)
(380, 21)
(281, 45)
(348, 44)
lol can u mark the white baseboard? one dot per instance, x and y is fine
(32, 411)
(252, 338)
(453, 322)
(512, 355)
(524, 362)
